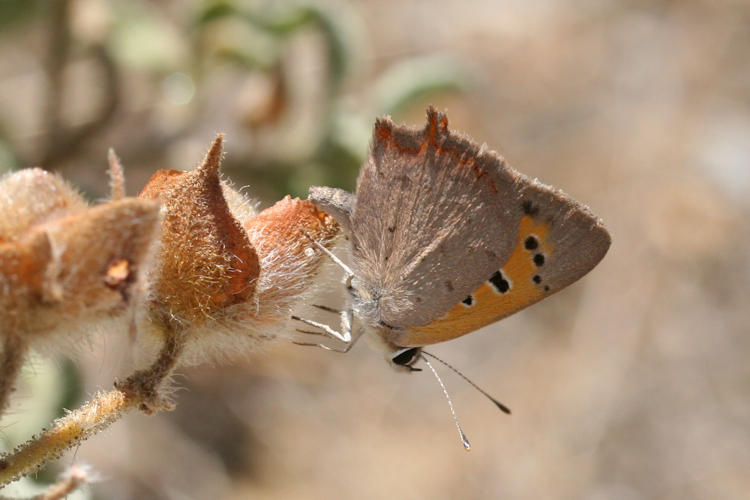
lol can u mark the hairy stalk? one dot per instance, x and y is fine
(139, 390)
(65, 432)
(11, 361)
(70, 481)
(146, 383)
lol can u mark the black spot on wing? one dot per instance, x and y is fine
(539, 259)
(531, 243)
(499, 283)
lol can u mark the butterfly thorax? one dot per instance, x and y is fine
(366, 302)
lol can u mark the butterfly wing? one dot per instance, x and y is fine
(558, 242)
(435, 215)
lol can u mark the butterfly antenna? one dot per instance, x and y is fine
(332, 256)
(502, 407)
(464, 439)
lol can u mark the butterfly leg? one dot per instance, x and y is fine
(345, 335)
(348, 346)
(328, 331)
(326, 347)
(327, 309)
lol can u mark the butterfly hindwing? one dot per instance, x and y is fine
(558, 242)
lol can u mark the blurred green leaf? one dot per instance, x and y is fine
(8, 160)
(142, 40)
(71, 387)
(337, 24)
(235, 40)
(334, 24)
(14, 13)
(212, 11)
(409, 81)
(245, 58)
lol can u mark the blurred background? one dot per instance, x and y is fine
(631, 384)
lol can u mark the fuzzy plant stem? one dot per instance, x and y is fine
(65, 432)
(146, 384)
(69, 481)
(73, 479)
(139, 390)
(11, 361)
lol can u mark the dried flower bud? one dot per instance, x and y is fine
(205, 260)
(33, 196)
(224, 277)
(56, 254)
(282, 236)
(97, 255)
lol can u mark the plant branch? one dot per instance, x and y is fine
(66, 432)
(58, 50)
(146, 384)
(64, 141)
(142, 390)
(73, 479)
(69, 481)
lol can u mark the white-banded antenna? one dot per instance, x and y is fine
(502, 407)
(462, 436)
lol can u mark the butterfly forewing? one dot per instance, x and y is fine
(435, 215)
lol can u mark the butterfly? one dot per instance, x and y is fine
(446, 238)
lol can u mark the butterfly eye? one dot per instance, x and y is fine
(406, 358)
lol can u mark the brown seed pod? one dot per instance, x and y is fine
(205, 260)
(282, 236)
(64, 267)
(57, 254)
(225, 277)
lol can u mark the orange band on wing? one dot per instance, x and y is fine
(489, 303)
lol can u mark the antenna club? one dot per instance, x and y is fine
(465, 442)
(503, 408)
